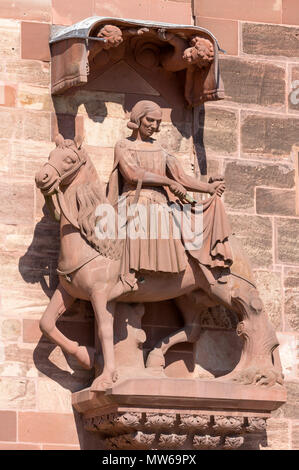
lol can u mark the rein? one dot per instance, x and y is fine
(60, 196)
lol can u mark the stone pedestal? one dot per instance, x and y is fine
(165, 413)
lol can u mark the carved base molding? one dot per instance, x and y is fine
(177, 430)
(135, 420)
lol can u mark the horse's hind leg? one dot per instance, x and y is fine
(59, 303)
(189, 333)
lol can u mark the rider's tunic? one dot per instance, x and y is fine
(160, 253)
(150, 243)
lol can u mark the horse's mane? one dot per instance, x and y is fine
(88, 196)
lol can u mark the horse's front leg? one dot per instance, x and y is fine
(104, 313)
(59, 303)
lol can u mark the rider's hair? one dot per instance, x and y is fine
(139, 111)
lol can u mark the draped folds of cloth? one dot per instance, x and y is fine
(210, 244)
(69, 64)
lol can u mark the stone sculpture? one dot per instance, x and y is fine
(114, 275)
(184, 55)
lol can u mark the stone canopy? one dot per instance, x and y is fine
(154, 51)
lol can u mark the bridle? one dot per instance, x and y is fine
(59, 193)
(82, 161)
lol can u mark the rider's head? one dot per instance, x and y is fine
(146, 117)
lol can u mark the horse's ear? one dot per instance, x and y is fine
(59, 140)
(78, 141)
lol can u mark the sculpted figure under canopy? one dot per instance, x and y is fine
(144, 172)
(90, 267)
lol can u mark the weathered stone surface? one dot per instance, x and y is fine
(277, 434)
(28, 71)
(37, 125)
(17, 393)
(8, 429)
(270, 289)
(5, 151)
(27, 10)
(225, 30)
(253, 82)
(291, 284)
(242, 177)
(15, 237)
(11, 123)
(19, 354)
(290, 409)
(52, 396)
(27, 156)
(66, 15)
(255, 234)
(105, 131)
(35, 41)
(270, 40)
(9, 39)
(287, 240)
(14, 369)
(17, 202)
(175, 137)
(62, 447)
(34, 97)
(10, 329)
(295, 436)
(29, 297)
(216, 129)
(267, 135)
(288, 352)
(8, 95)
(275, 202)
(290, 13)
(268, 11)
(19, 446)
(60, 427)
(169, 11)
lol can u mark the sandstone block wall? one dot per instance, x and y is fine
(248, 137)
(256, 126)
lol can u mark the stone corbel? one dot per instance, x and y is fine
(81, 52)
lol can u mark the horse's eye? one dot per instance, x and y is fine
(68, 160)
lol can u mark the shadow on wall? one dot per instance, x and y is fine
(47, 358)
(41, 258)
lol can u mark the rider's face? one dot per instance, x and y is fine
(150, 124)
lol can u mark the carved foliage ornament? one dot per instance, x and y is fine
(86, 49)
(151, 429)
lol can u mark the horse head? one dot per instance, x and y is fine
(63, 165)
(69, 163)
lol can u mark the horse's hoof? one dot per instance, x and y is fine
(101, 385)
(85, 357)
(115, 377)
(155, 359)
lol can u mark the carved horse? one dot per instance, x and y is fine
(89, 269)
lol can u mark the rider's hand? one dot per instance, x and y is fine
(178, 190)
(214, 178)
(217, 187)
